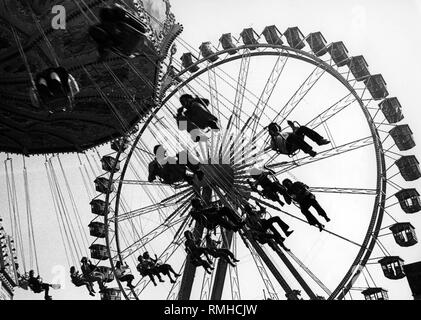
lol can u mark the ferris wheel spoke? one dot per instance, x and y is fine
(262, 260)
(206, 292)
(177, 195)
(239, 143)
(246, 157)
(356, 191)
(345, 148)
(152, 235)
(300, 94)
(222, 146)
(164, 257)
(331, 111)
(225, 199)
(240, 90)
(213, 93)
(144, 150)
(267, 92)
(142, 211)
(167, 202)
(233, 274)
(310, 273)
(240, 84)
(293, 270)
(269, 205)
(141, 183)
(204, 85)
(173, 293)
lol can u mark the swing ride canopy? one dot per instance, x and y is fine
(103, 110)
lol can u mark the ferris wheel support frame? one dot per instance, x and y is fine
(378, 209)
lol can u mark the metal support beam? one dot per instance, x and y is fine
(241, 87)
(357, 191)
(351, 146)
(268, 90)
(189, 273)
(221, 269)
(268, 262)
(301, 93)
(332, 111)
(294, 272)
(233, 274)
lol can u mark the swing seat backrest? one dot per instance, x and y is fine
(23, 284)
(78, 281)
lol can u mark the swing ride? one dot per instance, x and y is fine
(174, 153)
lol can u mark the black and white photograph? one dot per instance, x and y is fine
(233, 152)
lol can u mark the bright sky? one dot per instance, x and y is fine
(384, 31)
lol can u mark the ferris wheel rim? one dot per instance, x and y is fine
(377, 212)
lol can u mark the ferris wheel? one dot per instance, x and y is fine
(300, 78)
(356, 161)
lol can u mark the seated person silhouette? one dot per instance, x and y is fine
(119, 31)
(289, 142)
(171, 170)
(195, 113)
(90, 273)
(79, 280)
(216, 252)
(37, 285)
(160, 268)
(195, 252)
(213, 216)
(123, 274)
(146, 268)
(301, 194)
(271, 188)
(55, 90)
(263, 230)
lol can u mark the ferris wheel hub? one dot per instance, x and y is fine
(216, 176)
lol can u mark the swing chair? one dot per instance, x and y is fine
(119, 31)
(293, 152)
(52, 89)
